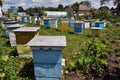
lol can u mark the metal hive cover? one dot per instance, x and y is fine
(95, 28)
(27, 29)
(15, 26)
(46, 41)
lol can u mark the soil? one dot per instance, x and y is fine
(111, 73)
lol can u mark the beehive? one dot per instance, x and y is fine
(99, 24)
(29, 18)
(64, 24)
(92, 24)
(46, 22)
(96, 30)
(24, 19)
(53, 23)
(39, 22)
(8, 23)
(72, 22)
(17, 18)
(87, 24)
(47, 56)
(11, 33)
(38, 18)
(78, 27)
(24, 35)
(33, 21)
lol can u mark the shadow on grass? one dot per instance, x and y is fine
(14, 53)
(114, 75)
(8, 43)
(27, 71)
(71, 32)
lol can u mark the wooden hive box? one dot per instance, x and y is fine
(11, 33)
(64, 24)
(78, 27)
(47, 56)
(24, 35)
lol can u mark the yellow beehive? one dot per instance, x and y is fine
(23, 36)
(16, 18)
(39, 22)
(64, 26)
(96, 30)
(33, 18)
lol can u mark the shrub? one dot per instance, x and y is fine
(91, 58)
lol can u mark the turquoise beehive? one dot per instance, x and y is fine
(24, 19)
(46, 22)
(47, 56)
(72, 22)
(99, 24)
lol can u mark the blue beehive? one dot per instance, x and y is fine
(46, 22)
(47, 56)
(72, 21)
(78, 27)
(8, 23)
(24, 19)
(12, 34)
(38, 18)
(33, 22)
(6, 32)
(92, 24)
(99, 24)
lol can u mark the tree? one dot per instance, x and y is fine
(60, 6)
(104, 8)
(88, 3)
(116, 2)
(20, 9)
(75, 7)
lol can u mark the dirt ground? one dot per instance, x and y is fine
(111, 73)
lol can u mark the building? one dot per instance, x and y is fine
(83, 9)
(55, 13)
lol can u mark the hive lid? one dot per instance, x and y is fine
(96, 28)
(10, 22)
(99, 22)
(15, 26)
(27, 29)
(78, 21)
(48, 41)
(89, 20)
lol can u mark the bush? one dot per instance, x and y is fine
(91, 58)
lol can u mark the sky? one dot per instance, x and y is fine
(48, 3)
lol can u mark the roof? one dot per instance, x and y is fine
(48, 41)
(84, 7)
